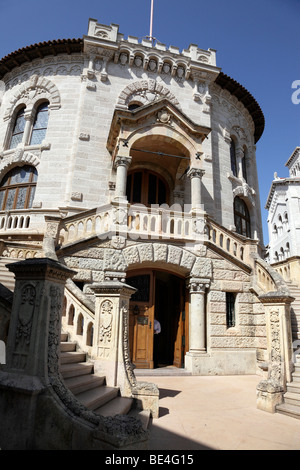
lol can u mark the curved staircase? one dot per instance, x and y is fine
(78, 373)
(91, 390)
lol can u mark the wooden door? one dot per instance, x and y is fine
(141, 319)
(180, 328)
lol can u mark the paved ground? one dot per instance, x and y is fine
(217, 413)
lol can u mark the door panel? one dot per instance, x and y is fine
(141, 320)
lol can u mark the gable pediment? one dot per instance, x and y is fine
(161, 113)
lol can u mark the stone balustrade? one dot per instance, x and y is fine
(12, 220)
(78, 317)
(235, 245)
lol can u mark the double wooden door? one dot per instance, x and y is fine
(160, 296)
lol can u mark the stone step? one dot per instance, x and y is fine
(68, 346)
(67, 357)
(83, 383)
(288, 409)
(292, 398)
(7, 278)
(64, 337)
(117, 406)
(143, 415)
(76, 369)
(293, 387)
(95, 398)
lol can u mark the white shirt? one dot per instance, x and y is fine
(157, 328)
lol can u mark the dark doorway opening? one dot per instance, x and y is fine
(168, 347)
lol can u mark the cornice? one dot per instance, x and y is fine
(199, 64)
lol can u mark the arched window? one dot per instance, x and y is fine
(241, 217)
(18, 129)
(17, 188)
(40, 124)
(244, 164)
(233, 158)
(146, 187)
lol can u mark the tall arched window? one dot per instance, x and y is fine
(18, 129)
(244, 164)
(40, 124)
(241, 217)
(17, 188)
(146, 187)
(233, 158)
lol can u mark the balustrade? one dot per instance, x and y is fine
(78, 320)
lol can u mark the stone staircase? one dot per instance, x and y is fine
(295, 312)
(291, 404)
(78, 373)
(91, 390)
(7, 278)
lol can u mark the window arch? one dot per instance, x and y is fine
(40, 124)
(233, 158)
(146, 187)
(242, 217)
(17, 188)
(18, 129)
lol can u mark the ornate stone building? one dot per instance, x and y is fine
(133, 164)
(283, 207)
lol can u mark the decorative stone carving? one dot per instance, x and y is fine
(145, 91)
(198, 285)
(84, 136)
(75, 196)
(33, 90)
(24, 326)
(123, 58)
(118, 242)
(164, 117)
(106, 317)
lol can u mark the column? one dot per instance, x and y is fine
(239, 157)
(195, 174)
(197, 316)
(111, 342)
(28, 126)
(279, 347)
(122, 164)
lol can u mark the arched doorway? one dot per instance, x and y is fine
(160, 295)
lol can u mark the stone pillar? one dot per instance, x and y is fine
(195, 174)
(33, 347)
(122, 164)
(279, 342)
(28, 126)
(197, 320)
(50, 236)
(111, 343)
(239, 157)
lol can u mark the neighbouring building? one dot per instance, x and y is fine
(133, 164)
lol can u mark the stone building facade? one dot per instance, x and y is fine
(283, 207)
(134, 165)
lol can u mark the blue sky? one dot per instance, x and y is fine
(257, 44)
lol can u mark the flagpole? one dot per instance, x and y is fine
(151, 20)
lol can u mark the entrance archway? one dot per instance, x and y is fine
(160, 295)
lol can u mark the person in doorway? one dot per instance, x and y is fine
(157, 330)
(157, 327)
